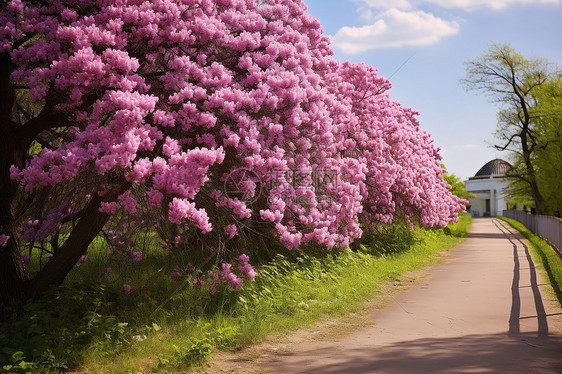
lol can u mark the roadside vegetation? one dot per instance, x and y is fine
(544, 255)
(171, 325)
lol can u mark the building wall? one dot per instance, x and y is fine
(478, 206)
(492, 188)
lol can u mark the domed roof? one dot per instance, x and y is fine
(494, 167)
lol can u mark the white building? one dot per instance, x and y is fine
(489, 185)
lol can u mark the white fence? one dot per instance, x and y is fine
(547, 227)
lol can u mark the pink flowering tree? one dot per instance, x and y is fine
(205, 121)
(398, 170)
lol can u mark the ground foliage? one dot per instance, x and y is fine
(173, 324)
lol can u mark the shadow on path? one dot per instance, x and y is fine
(481, 341)
(516, 304)
(493, 353)
(486, 235)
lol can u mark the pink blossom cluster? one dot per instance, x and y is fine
(228, 277)
(4, 239)
(137, 257)
(398, 169)
(175, 95)
(245, 268)
(230, 231)
(39, 229)
(178, 274)
(124, 249)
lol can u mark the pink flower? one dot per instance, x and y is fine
(244, 258)
(176, 275)
(180, 209)
(137, 257)
(231, 231)
(248, 271)
(4, 239)
(232, 279)
(127, 288)
(26, 260)
(108, 207)
(128, 202)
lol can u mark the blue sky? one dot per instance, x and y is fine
(432, 39)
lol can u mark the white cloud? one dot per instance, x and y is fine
(494, 4)
(462, 4)
(387, 4)
(368, 9)
(394, 28)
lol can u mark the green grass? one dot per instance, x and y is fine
(170, 326)
(544, 254)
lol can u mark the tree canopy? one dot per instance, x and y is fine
(457, 188)
(206, 122)
(548, 157)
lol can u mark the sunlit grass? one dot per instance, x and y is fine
(286, 297)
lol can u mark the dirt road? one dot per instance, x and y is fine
(485, 310)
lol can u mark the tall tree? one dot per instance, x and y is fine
(510, 79)
(147, 110)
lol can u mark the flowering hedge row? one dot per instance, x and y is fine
(208, 121)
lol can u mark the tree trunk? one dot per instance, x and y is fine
(532, 175)
(12, 271)
(64, 259)
(537, 197)
(14, 144)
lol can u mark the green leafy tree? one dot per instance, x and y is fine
(548, 156)
(510, 80)
(457, 186)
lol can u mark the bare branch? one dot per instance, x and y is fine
(510, 140)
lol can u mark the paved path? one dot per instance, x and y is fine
(485, 310)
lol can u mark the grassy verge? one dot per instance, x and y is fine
(99, 329)
(543, 254)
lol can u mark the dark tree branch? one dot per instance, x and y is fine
(510, 140)
(23, 40)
